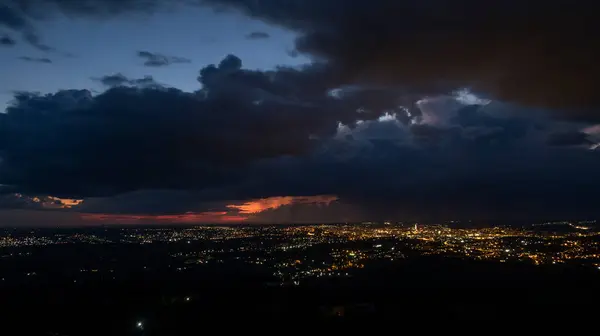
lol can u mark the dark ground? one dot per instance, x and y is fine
(422, 291)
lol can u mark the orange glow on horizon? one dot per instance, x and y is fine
(66, 203)
(240, 212)
(187, 218)
(263, 204)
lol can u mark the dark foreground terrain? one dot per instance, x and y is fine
(424, 291)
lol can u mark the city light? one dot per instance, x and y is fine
(287, 251)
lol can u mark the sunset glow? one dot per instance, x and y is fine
(51, 202)
(66, 203)
(260, 205)
(187, 218)
(237, 213)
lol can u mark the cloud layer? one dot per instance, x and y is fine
(36, 59)
(381, 120)
(258, 35)
(159, 60)
(519, 51)
(119, 79)
(252, 135)
(137, 137)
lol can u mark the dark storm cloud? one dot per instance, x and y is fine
(36, 59)
(573, 138)
(119, 79)
(74, 144)
(252, 134)
(390, 169)
(159, 60)
(521, 51)
(258, 35)
(456, 176)
(7, 41)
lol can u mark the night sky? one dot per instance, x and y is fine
(227, 111)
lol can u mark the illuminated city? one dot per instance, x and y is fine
(297, 253)
(182, 167)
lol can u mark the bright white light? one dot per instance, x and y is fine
(468, 98)
(342, 129)
(140, 325)
(187, 298)
(387, 117)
